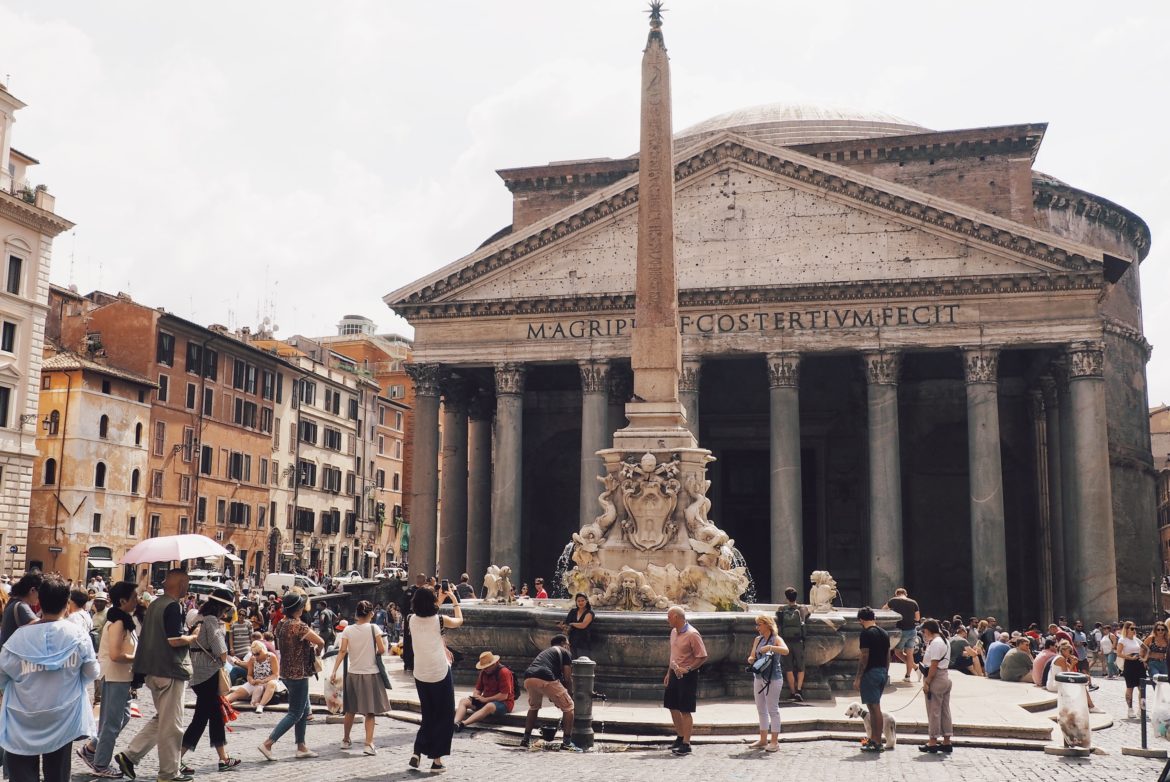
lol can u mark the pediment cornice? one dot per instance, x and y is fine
(1044, 251)
(876, 290)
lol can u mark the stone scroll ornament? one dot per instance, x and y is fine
(648, 506)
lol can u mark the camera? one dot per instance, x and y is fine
(446, 585)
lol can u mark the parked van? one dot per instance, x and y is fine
(277, 583)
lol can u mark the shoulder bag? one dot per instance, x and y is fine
(378, 662)
(763, 664)
(224, 684)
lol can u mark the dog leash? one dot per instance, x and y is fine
(904, 705)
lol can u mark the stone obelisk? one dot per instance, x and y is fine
(657, 419)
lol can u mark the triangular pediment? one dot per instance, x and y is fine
(748, 215)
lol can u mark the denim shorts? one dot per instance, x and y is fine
(498, 707)
(873, 682)
(906, 641)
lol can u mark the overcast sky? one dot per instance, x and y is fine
(236, 160)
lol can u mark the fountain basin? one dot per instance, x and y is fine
(631, 648)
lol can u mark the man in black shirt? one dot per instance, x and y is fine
(908, 609)
(872, 674)
(551, 674)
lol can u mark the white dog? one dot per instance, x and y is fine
(889, 724)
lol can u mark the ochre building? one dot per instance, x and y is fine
(917, 360)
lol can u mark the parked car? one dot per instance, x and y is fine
(202, 587)
(348, 578)
(391, 573)
(277, 583)
(206, 575)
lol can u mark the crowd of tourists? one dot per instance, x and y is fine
(58, 641)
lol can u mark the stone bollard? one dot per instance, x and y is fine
(584, 671)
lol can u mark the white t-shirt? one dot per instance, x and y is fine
(361, 648)
(1130, 646)
(82, 619)
(430, 654)
(937, 650)
(1106, 643)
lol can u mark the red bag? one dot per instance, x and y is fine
(229, 713)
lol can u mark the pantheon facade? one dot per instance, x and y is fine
(917, 360)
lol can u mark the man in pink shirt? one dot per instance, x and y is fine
(687, 654)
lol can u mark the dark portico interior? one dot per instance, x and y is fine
(734, 425)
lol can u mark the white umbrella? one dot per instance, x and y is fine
(170, 548)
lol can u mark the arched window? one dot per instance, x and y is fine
(134, 476)
(138, 434)
(104, 426)
(54, 422)
(50, 471)
(99, 475)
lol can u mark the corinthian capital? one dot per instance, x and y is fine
(981, 365)
(882, 366)
(621, 385)
(594, 376)
(426, 378)
(455, 392)
(784, 370)
(481, 406)
(688, 381)
(509, 379)
(1086, 359)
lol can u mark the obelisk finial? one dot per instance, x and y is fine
(655, 12)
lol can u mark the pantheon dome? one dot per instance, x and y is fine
(788, 124)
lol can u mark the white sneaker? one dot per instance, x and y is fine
(346, 744)
(1132, 714)
(259, 709)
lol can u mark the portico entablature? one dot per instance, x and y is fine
(734, 323)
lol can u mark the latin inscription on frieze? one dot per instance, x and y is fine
(828, 319)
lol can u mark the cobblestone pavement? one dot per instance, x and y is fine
(490, 755)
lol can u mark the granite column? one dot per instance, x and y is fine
(985, 475)
(1043, 501)
(885, 476)
(595, 434)
(1095, 562)
(508, 468)
(453, 478)
(1068, 481)
(424, 478)
(786, 519)
(479, 484)
(1055, 455)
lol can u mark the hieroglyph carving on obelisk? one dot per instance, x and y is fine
(656, 353)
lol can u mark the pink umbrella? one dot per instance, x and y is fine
(171, 548)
